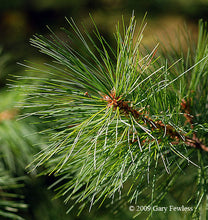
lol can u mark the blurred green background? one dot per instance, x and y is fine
(19, 20)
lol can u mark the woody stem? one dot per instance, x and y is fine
(192, 142)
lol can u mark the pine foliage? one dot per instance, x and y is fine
(124, 124)
(19, 141)
(10, 202)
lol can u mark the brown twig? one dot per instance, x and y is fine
(114, 101)
(194, 141)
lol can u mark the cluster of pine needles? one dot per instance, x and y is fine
(124, 122)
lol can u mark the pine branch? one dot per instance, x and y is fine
(17, 137)
(124, 107)
(10, 203)
(111, 122)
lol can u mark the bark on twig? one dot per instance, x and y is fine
(114, 101)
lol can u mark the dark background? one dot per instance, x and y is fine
(20, 19)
